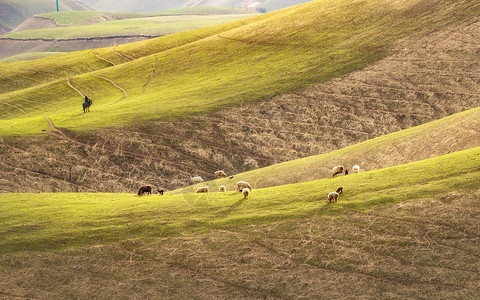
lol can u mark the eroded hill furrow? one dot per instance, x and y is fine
(104, 59)
(74, 88)
(116, 85)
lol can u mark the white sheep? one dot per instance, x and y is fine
(332, 196)
(219, 174)
(246, 193)
(337, 170)
(355, 169)
(202, 189)
(197, 179)
(243, 184)
(222, 188)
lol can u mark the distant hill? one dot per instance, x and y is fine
(156, 5)
(15, 12)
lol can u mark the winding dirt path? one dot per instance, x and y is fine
(104, 59)
(152, 73)
(116, 85)
(70, 84)
(125, 57)
(16, 107)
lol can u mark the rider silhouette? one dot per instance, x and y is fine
(88, 101)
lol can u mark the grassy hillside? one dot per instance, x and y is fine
(454, 133)
(14, 12)
(30, 56)
(254, 63)
(152, 26)
(390, 235)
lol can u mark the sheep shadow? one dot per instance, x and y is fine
(229, 210)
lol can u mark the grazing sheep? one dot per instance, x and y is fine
(246, 193)
(340, 190)
(337, 170)
(355, 169)
(219, 174)
(145, 189)
(332, 196)
(197, 179)
(222, 188)
(243, 184)
(202, 189)
(160, 191)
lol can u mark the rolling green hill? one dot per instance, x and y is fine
(380, 233)
(191, 103)
(249, 59)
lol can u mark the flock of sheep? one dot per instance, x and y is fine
(245, 188)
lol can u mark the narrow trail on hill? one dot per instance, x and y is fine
(152, 73)
(116, 85)
(70, 84)
(124, 56)
(104, 59)
(16, 107)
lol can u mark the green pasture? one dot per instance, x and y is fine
(204, 70)
(150, 26)
(78, 18)
(47, 222)
(30, 56)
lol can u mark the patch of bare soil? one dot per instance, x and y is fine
(423, 80)
(425, 249)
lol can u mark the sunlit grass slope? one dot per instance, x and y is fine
(30, 56)
(238, 62)
(57, 221)
(454, 133)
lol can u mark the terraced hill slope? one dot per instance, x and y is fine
(427, 76)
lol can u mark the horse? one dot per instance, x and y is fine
(86, 106)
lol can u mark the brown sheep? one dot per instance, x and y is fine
(202, 189)
(145, 189)
(337, 170)
(332, 196)
(246, 193)
(219, 174)
(160, 191)
(243, 184)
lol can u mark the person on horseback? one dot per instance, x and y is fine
(86, 104)
(88, 101)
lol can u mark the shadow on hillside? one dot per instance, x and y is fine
(232, 207)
